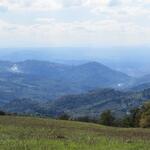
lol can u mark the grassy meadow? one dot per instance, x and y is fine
(27, 133)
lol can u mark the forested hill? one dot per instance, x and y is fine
(42, 80)
(92, 103)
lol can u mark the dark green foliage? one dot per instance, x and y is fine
(107, 118)
(145, 116)
(135, 115)
(2, 113)
(86, 119)
(131, 120)
(139, 117)
(64, 116)
(126, 122)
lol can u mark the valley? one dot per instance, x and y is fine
(51, 89)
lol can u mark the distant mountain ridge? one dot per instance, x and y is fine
(43, 80)
(47, 88)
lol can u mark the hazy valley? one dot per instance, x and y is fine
(47, 88)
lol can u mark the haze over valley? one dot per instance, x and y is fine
(30, 80)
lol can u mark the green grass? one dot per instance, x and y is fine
(25, 133)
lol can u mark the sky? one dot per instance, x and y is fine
(74, 23)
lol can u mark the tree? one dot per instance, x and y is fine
(107, 118)
(135, 116)
(64, 116)
(145, 116)
(127, 122)
(86, 119)
(145, 121)
(2, 113)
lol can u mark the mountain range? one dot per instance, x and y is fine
(44, 87)
(133, 64)
(42, 80)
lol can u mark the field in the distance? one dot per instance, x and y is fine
(25, 133)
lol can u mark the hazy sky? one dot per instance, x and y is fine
(90, 23)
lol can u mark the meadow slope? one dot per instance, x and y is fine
(27, 133)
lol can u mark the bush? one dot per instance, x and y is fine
(145, 116)
(86, 119)
(145, 122)
(107, 118)
(2, 113)
(126, 122)
(64, 116)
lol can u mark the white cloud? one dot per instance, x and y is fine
(111, 21)
(39, 5)
(45, 20)
(95, 3)
(51, 32)
(32, 5)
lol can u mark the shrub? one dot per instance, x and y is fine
(2, 113)
(86, 119)
(145, 122)
(107, 118)
(64, 116)
(145, 116)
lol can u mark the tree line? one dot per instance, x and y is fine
(138, 117)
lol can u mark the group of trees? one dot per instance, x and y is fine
(138, 117)
(2, 113)
(144, 114)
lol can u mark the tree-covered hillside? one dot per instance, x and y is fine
(92, 104)
(42, 81)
